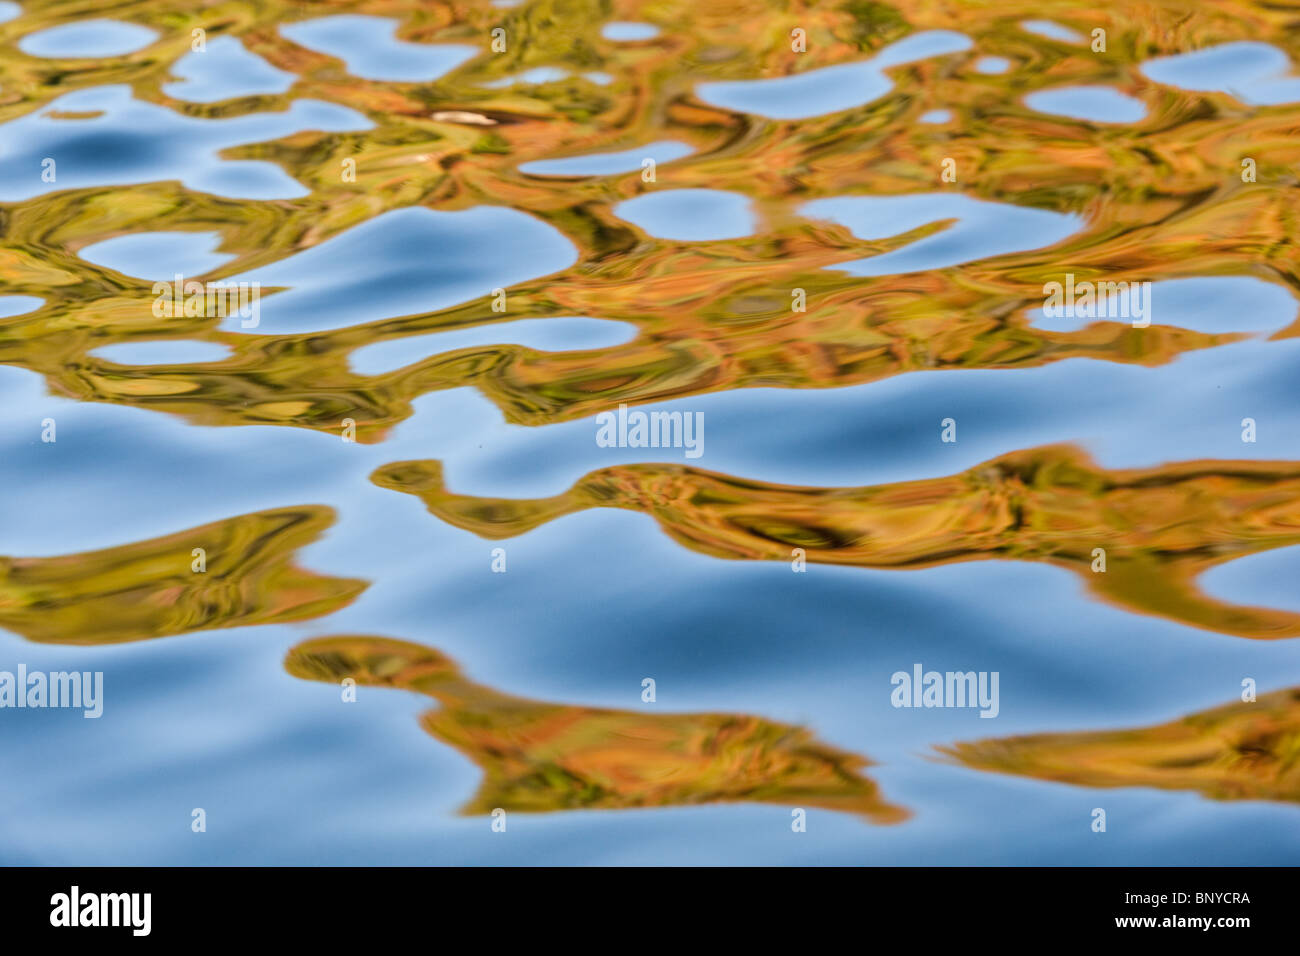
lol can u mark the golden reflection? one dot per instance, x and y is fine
(1158, 199)
(1160, 527)
(155, 588)
(1240, 751)
(539, 757)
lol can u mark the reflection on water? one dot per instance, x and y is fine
(1241, 751)
(156, 588)
(1159, 528)
(569, 207)
(537, 756)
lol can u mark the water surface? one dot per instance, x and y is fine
(471, 254)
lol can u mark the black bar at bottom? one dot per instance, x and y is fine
(332, 905)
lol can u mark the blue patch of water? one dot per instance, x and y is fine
(405, 262)
(629, 32)
(832, 88)
(11, 305)
(158, 255)
(368, 47)
(223, 71)
(1097, 104)
(979, 230)
(131, 141)
(1254, 73)
(87, 38)
(690, 215)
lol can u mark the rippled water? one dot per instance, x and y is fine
(823, 237)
